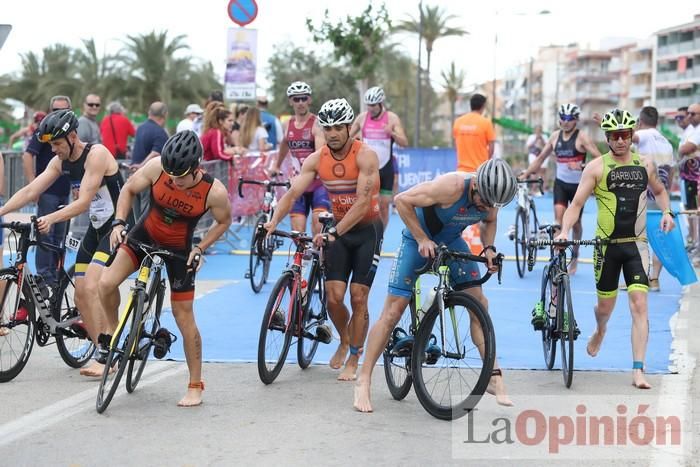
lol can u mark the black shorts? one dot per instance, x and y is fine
(386, 179)
(355, 252)
(94, 248)
(632, 258)
(690, 190)
(181, 287)
(564, 192)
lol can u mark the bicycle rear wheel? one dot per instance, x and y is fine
(17, 326)
(150, 322)
(549, 335)
(567, 326)
(260, 256)
(397, 360)
(521, 236)
(274, 340)
(73, 344)
(119, 353)
(449, 381)
(314, 315)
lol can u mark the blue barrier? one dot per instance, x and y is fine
(418, 165)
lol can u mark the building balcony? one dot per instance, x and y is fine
(678, 48)
(670, 77)
(640, 91)
(639, 68)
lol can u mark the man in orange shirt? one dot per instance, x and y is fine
(474, 136)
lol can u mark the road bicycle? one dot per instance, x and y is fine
(296, 308)
(262, 246)
(554, 312)
(435, 351)
(526, 222)
(139, 328)
(32, 310)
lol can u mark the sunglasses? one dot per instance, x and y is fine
(92, 104)
(300, 98)
(44, 137)
(678, 118)
(59, 108)
(692, 114)
(615, 135)
(567, 118)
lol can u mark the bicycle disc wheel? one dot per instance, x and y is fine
(314, 314)
(449, 380)
(549, 335)
(118, 356)
(74, 345)
(274, 340)
(17, 326)
(397, 361)
(566, 311)
(150, 322)
(520, 241)
(259, 260)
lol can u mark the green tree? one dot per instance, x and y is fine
(434, 27)
(355, 41)
(452, 82)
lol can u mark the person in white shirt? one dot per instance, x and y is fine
(192, 112)
(689, 151)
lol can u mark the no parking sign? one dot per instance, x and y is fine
(242, 12)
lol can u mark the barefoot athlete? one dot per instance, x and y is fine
(437, 212)
(349, 169)
(181, 193)
(620, 179)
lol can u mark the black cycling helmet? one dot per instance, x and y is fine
(181, 153)
(57, 124)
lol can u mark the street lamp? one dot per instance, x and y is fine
(416, 132)
(495, 48)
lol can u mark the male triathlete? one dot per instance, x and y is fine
(379, 129)
(437, 212)
(570, 147)
(302, 136)
(181, 193)
(620, 179)
(349, 170)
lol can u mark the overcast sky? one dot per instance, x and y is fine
(520, 30)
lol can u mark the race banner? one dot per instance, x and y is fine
(241, 62)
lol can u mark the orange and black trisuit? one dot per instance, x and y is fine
(356, 251)
(169, 222)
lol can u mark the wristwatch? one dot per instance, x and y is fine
(670, 213)
(333, 231)
(117, 222)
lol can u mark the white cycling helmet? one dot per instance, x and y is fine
(335, 112)
(298, 88)
(569, 109)
(496, 182)
(374, 95)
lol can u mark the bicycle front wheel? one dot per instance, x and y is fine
(150, 321)
(521, 241)
(549, 331)
(274, 340)
(450, 376)
(567, 325)
(259, 261)
(73, 344)
(119, 353)
(17, 326)
(314, 315)
(397, 356)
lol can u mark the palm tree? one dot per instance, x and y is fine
(452, 81)
(434, 27)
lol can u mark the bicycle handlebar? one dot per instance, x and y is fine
(268, 184)
(444, 255)
(532, 244)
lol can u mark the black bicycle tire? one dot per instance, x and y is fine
(61, 337)
(157, 291)
(304, 359)
(268, 376)
(567, 355)
(421, 340)
(520, 230)
(256, 261)
(549, 338)
(103, 400)
(10, 275)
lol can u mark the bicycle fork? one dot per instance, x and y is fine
(440, 297)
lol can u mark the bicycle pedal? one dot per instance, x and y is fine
(247, 275)
(324, 334)
(279, 243)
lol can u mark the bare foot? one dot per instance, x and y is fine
(349, 373)
(361, 400)
(573, 265)
(339, 356)
(639, 381)
(498, 389)
(594, 343)
(4, 331)
(193, 397)
(95, 370)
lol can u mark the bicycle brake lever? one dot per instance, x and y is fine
(499, 259)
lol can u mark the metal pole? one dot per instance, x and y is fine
(529, 92)
(416, 132)
(493, 84)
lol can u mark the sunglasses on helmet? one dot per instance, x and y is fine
(44, 137)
